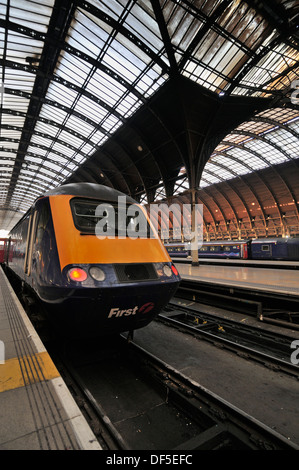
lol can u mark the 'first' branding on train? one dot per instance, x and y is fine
(117, 312)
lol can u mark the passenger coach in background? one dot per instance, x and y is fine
(284, 249)
(220, 249)
(91, 285)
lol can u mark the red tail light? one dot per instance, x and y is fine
(77, 274)
(174, 270)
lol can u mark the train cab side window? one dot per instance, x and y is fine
(29, 242)
(42, 223)
(265, 248)
(23, 231)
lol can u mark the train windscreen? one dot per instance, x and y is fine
(110, 220)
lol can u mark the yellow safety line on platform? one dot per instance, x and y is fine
(18, 372)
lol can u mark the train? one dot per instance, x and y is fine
(283, 249)
(2, 248)
(91, 257)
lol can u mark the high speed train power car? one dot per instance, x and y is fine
(92, 283)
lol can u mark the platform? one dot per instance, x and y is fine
(37, 411)
(262, 279)
(258, 263)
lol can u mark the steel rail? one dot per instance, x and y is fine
(217, 424)
(233, 341)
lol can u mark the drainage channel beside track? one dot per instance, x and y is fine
(139, 402)
(270, 348)
(278, 309)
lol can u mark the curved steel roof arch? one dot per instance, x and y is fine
(263, 135)
(76, 75)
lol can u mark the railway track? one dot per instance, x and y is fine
(272, 349)
(135, 401)
(274, 308)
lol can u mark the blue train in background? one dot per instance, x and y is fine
(284, 249)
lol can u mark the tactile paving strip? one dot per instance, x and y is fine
(33, 370)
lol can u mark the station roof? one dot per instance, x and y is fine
(151, 97)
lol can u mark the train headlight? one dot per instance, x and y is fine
(167, 271)
(77, 274)
(97, 273)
